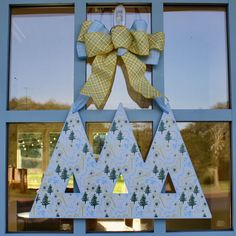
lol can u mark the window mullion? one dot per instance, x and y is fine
(79, 226)
(197, 2)
(232, 70)
(79, 65)
(4, 47)
(40, 2)
(3, 178)
(158, 82)
(35, 116)
(203, 115)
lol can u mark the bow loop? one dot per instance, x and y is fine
(84, 29)
(98, 43)
(140, 44)
(157, 41)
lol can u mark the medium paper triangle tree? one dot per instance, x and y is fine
(120, 157)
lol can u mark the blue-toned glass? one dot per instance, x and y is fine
(41, 58)
(195, 57)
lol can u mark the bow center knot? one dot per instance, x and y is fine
(121, 37)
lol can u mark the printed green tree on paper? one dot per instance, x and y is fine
(98, 190)
(191, 201)
(120, 136)
(155, 170)
(113, 127)
(112, 175)
(161, 175)
(58, 169)
(94, 201)
(182, 149)
(66, 127)
(134, 148)
(50, 189)
(147, 190)
(45, 200)
(72, 136)
(134, 198)
(64, 174)
(182, 197)
(106, 170)
(85, 197)
(37, 198)
(85, 148)
(143, 201)
(196, 190)
(168, 137)
(162, 127)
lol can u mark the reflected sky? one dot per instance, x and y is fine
(195, 58)
(42, 58)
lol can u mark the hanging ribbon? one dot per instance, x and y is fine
(135, 47)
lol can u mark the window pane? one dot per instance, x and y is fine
(42, 58)
(30, 146)
(105, 14)
(196, 66)
(208, 144)
(96, 133)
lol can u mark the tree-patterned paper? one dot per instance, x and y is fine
(120, 158)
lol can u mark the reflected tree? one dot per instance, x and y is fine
(208, 144)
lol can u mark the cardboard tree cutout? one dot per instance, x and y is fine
(120, 161)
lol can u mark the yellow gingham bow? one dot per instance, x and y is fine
(105, 47)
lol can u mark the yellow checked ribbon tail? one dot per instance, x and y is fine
(100, 82)
(136, 76)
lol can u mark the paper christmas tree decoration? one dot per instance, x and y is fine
(120, 184)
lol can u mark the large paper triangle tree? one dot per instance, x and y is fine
(120, 160)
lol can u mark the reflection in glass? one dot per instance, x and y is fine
(42, 58)
(96, 134)
(208, 144)
(29, 151)
(196, 66)
(53, 137)
(105, 14)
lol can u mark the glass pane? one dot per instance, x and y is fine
(96, 133)
(30, 148)
(105, 14)
(41, 58)
(208, 144)
(196, 66)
